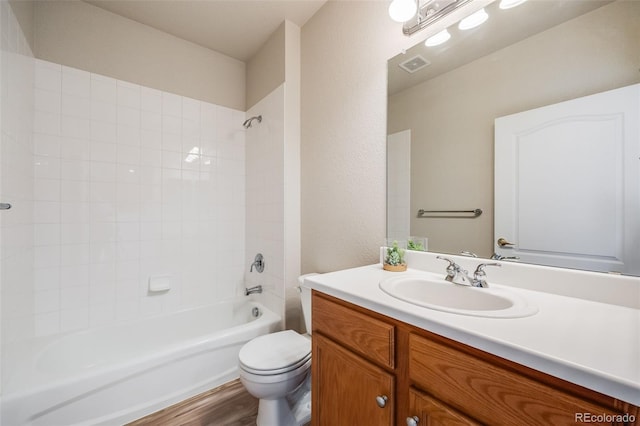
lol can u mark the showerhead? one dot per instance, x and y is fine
(247, 123)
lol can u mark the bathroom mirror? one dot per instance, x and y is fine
(441, 116)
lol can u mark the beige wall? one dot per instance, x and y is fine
(83, 36)
(23, 11)
(451, 117)
(345, 47)
(266, 69)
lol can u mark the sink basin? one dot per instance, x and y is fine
(434, 293)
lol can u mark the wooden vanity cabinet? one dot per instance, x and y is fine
(425, 410)
(352, 388)
(360, 356)
(353, 380)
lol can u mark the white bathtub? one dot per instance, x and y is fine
(116, 374)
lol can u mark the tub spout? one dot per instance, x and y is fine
(252, 290)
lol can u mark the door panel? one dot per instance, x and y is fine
(567, 183)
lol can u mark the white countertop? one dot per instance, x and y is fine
(586, 342)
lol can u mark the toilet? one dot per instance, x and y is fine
(276, 367)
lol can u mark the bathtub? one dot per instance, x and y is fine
(119, 373)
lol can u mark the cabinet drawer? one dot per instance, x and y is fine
(431, 412)
(370, 337)
(488, 392)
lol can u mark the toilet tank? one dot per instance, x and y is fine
(305, 297)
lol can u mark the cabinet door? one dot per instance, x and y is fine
(430, 412)
(346, 389)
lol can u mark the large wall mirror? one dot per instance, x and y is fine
(442, 126)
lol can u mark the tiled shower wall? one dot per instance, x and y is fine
(16, 177)
(131, 183)
(265, 197)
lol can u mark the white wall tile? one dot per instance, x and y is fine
(76, 82)
(74, 148)
(130, 182)
(46, 144)
(128, 94)
(47, 324)
(103, 152)
(171, 104)
(75, 106)
(46, 234)
(47, 101)
(46, 122)
(74, 319)
(48, 75)
(151, 100)
(103, 89)
(103, 111)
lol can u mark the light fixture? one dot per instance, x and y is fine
(402, 10)
(438, 39)
(425, 12)
(473, 20)
(508, 4)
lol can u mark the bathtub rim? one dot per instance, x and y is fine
(91, 379)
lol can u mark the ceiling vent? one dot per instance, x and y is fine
(414, 64)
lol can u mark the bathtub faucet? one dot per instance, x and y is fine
(251, 290)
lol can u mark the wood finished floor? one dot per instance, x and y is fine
(227, 405)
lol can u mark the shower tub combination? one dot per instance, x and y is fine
(119, 373)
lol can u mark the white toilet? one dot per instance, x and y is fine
(275, 368)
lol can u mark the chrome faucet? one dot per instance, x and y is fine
(252, 290)
(258, 262)
(480, 276)
(457, 275)
(497, 256)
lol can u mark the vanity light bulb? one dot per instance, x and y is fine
(473, 20)
(438, 39)
(508, 4)
(402, 10)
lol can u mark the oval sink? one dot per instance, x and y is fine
(442, 295)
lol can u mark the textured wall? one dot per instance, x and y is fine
(345, 48)
(266, 69)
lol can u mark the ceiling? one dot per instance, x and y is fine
(236, 28)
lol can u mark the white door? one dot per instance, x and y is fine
(399, 185)
(567, 183)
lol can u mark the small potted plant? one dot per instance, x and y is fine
(394, 260)
(417, 244)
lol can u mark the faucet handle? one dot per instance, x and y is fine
(479, 276)
(451, 262)
(452, 269)
(480, 268)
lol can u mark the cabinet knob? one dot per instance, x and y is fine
(381, 400)
(413, 421)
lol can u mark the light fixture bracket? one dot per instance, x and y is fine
(430, 11)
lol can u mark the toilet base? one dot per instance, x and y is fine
(293, 410)
(275, 412)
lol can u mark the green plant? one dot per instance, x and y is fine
(415, 245)
(395, 255)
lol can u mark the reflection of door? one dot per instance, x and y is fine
(567, 183)
(398, 185)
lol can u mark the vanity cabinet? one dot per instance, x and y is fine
(353, 381)
(424, 410)
(362, 358)
(354, 391)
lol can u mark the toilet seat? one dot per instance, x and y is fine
(275, 353)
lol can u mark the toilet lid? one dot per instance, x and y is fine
(275, 351)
